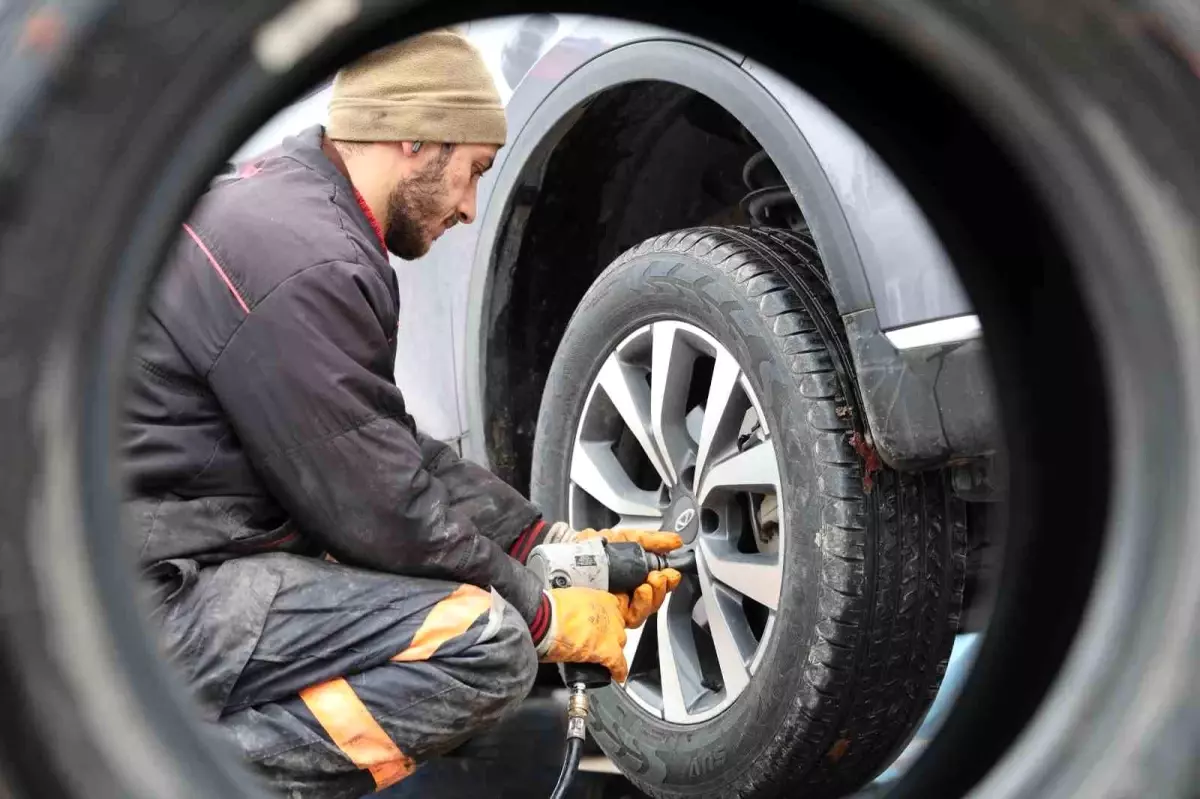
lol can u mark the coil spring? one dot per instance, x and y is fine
(769, 202)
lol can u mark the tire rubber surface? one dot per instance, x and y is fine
(874, 560)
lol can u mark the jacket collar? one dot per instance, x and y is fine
(306, 147)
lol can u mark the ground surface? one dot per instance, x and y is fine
(521, 760)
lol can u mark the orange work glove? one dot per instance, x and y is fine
(586, 626)
(648, 597)
(651, 540)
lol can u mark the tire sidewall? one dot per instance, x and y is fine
(634, 292)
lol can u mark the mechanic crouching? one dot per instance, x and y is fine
(345, 596)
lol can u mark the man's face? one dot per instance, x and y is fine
(434, 197)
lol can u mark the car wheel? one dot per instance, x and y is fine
(703, 386)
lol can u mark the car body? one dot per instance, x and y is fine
(472, 373)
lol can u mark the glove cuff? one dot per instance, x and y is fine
(546, 618)
(560, 533)
(541, 533)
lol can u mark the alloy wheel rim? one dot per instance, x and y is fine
(672, 437)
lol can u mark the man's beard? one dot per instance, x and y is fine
(411, 205)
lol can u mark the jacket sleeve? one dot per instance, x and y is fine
(306, 383)
(497, 510)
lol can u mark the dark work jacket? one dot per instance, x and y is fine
(263, 414)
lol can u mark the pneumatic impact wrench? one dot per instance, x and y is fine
(595, 563)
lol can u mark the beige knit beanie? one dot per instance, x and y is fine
(433, 87)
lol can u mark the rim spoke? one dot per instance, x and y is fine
(595, 469)
(627, 390)
(732, 639)
(674, 704)
(633, 638)
(671, 365)
(754, 469)
(758, 576)
(723, 411)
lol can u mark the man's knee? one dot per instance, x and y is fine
(502, 663)
(514, 652)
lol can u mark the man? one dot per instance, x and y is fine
(345, 596)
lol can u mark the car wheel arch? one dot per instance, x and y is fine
(692, 67)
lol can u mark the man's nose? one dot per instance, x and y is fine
(466, 209)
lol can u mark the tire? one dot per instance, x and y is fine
(873, 560)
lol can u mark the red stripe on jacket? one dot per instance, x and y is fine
(212, 260)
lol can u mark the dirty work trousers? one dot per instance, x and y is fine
(334, 681)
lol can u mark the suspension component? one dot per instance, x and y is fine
(769, 201)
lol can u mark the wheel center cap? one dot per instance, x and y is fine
(683, 518)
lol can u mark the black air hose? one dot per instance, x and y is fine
(569, 767)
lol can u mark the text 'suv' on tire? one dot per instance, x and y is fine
(888, 312)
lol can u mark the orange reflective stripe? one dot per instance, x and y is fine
(356, 732)
(449, 618)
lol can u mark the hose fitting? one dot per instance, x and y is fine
(577, 711)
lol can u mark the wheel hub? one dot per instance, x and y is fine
(682, 515)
